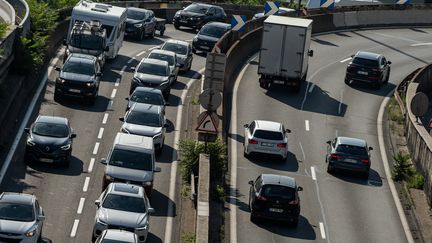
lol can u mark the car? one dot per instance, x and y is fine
(79, 77)
(266, 137)
(346, 153)
(152, 73)
(140, 23)
(198, 14)
(183, 50)
(281, 12)
(168, 56)
(368, 67)
(49, 140)
(131, 159)
(21, 218)
(117, 236)
(123, 206)
(208, 36)
(146, 120)
(274, 197)
(147, 95)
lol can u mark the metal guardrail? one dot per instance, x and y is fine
(7, 12)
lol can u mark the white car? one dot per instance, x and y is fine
(266, 137)
(117, 236)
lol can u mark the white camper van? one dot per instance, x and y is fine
(112, 18)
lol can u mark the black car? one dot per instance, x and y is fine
(346, 153)
(49, 140)
(79, 77)
(208, 36)
(368, 67)
(275, 197)
(198, 14)
(140, 23)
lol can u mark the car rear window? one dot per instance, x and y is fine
(125, 203)
(350, 149)
(131, 160)
(277, 191)
(174, 47)
(147, 98)
(270, 135)
(365, 62)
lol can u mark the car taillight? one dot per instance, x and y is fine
(336, 156)
(261, 198)
(365, 161)
(253, 141)
(293, 202)
(281, 145)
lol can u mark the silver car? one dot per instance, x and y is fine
(168, 56)
(117, 236)
(146, 120)
(123, 206)
(183, 50)
(21, 218)
(146, 95)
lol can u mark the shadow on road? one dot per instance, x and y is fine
(152, 238)
(191, 74)
(275, 162)
(75, 167)
(178, 85)
(77, 103)
(166, 155)
(383, 91)
(160, 204)
(304, 230)
(323, 42)
(239, 138)
(374, 179)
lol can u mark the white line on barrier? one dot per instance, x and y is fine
(90, 168)
(74, 228)
(86, 184)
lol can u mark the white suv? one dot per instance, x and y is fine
(266, 137)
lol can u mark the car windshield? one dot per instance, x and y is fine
(268, 135)
(79, 68)
(275, 191)
(87, 41)
(125, 203)
(136, 15)
(113, 241)
(147, 98)
(196, 8)
(351, 149)
(212, 31)
(131, 159)
(163, 57)
(177, 48)
(365, 62)
(17, 212)
(51, 130)
(144, 119)
(153, 69)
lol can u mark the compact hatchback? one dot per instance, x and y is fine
(49, 140)
(208, 36)
(117, 236)
(140, 23)
(368, 67)
(346, 153)
(183, 50)
(168, 56)
(123, 206)
(21, 218)
(146, 95)
(275, 197)
(266, 137)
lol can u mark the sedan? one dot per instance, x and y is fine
(168, 56)
(346, 153)
(266, 137)
(49, 140)
(140, 23)
(21, 218)
(209, 34)
(146, 95)
(183, 51)
(123, 206)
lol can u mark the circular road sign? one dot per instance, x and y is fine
(419, 104)
(210, 99)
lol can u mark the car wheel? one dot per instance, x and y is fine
(194, 51)
(176, 26)
(162, 31)
(66, 163)
(347, 81)
(252, 218)
(159, 150)
(56, 96)
(282, 158)
(366, 175)
(40, 237)
(93, 238)
(190, 66)
(377, 85)
(141, 35)
(27, 159)
(92, 100)
(387, 78)
(329, 169)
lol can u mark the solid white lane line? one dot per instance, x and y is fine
(139, 54)
(100, 134)
(86, 184)
(346, 59)
(113, 93)
(105, 118)
(131, 60)
(110, 104)
(311, 88)
(307, 125)
(394, 37)
(313, 174)
(388, 171)
(303, 153)
(74, 228)
(90, 168)
(81, 205)
(340, 102)
(174, 164)
(96, 148)
(322, 230)
(422, 44)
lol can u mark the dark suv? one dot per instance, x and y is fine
(348, 154)
(208, 35)
(140, 23)
(368, 67)
(198, 14)
(275, 197)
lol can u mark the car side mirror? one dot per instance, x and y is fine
(388, 62)
(167, 104)
(150, 210)
(133, 69)
(288, 130)
(41, 217)
(97, 203)
(328, 142)
(246, 125)
(64, 42)
(157, 169)
(299, 188)
(103, 161)
(27, 130)
(251, 183)
(99, 74)
(178, 65)
(121, 119)
(57, 68)
(310, 53)
(127, 98)
(166, 125)
(352, 55)
(73, 135)
(370, 148)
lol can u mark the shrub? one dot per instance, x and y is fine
(416, 181)
(3, 29)
(401, 167)
(220, 193)
(188, 237)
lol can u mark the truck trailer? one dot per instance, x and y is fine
(284, 52)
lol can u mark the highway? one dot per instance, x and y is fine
(334, 208)
(68, 195)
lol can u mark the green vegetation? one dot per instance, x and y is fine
(3, 29)
(404, 171)
(188, 237)
(220, 193)
(416, 181)
(291, 4)
(395, 112)
(185, 190)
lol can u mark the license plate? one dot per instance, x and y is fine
(183, 21)
(267, 144)
(46, 160)
(350, 160)
(205, 47)
(278, 82)
(276, 210)
(75, 90)
(362, 72)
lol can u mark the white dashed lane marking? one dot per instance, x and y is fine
(96, 148)
(81, 206)
(131, 60)
(313, 173)
(307, 125)
(139, 54)
(101, 131)
(113, 93)
(74, 228)
(322, 230)
(90, 168)
(86, 184)
(110, 104)
(346, 59)
(105, 118)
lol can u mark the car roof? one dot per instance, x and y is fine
(125, 141)
(52, 119)
(268, 125)
(155, 61)
(138, 9)
(120, 235)
(352, 141)
(219, 24)
(14, 197)
(146, 108)
(148, 90)
(205, 5)
(165, 52)
(126, 189)
(367, 55)
(80, 57)
(177, 42)
(273, 179)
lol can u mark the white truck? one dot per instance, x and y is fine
(112, 19)
(284, 52)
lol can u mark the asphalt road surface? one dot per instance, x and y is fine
(68, 195)
(334, 208)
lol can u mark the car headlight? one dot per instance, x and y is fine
(91, 84)
(30, 142)
(138, 25)
(198, 18)
(60, 80)
(147, 183)
(100, 221)
(192, 18)
(109, 178)
(177, 14)
(195, 39)
(31, 233)
(65, 147)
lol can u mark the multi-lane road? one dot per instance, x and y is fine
(335, 208)
(68, 195)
